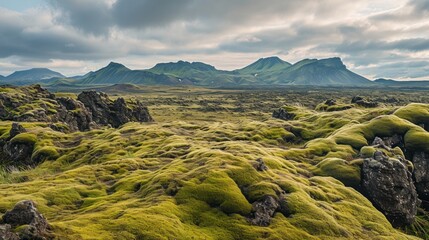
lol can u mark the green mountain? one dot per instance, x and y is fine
(328, 72)
(31, 76)
(265, 65)
(202, 74)
(265, 71)
(118, 73)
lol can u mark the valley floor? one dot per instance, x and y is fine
(212, 157)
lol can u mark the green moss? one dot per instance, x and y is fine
(217, 190)
(416, 113)
(417, 140)
(262, 189)
(340, 169)
(27, 138)
(367, 152)
(337, 107)
(47, 152)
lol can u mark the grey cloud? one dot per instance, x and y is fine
(18, 37)
(98, 30)
(90, 16)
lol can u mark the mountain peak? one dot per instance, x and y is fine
(115, 65)
(265, 64)
(332, 62)
(182, 65)
(272, 59)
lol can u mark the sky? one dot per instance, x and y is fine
(374, 38)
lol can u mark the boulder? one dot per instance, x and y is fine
(283, 114)
(388, 184)
(263, 210)
(31, 224)
(421, 176)
(260, 165)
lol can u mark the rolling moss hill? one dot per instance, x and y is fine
(196, 179)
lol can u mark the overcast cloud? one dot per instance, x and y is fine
(375, 38)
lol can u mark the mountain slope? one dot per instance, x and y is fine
(327, 72)
(118, 73)
(201, 73)
(32, 75)
(264, 65)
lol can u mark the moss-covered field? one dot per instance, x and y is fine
(191, 174)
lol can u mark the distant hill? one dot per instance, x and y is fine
(1, 77)
(395, 83)
(118, 73)
(31, 76)
(265, 65)
(324, 72)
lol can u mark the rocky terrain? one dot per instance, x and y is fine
(90, 110)
(215, 165)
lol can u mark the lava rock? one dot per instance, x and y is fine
(260, 165)
(363, 102)
(389, 186)
(421, 176)
(331, 102)
(16, 129)
(16, 153)
(264, 210)
(97, 104)
(25, 215)
(75, 115)
(114, 113)
(6, 233)
(283, 114)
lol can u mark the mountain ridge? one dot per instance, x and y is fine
(264, 71)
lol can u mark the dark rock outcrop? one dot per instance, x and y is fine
(421, 176)
(91, 110)
(363, 102)
(389, 186)
(31, 224)
(75, 115)
(264, 210)
(115, 113)
(283, 114)
(16, 153)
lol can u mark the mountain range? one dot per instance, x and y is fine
(265, 71)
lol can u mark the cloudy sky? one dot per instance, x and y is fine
(375, 38)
